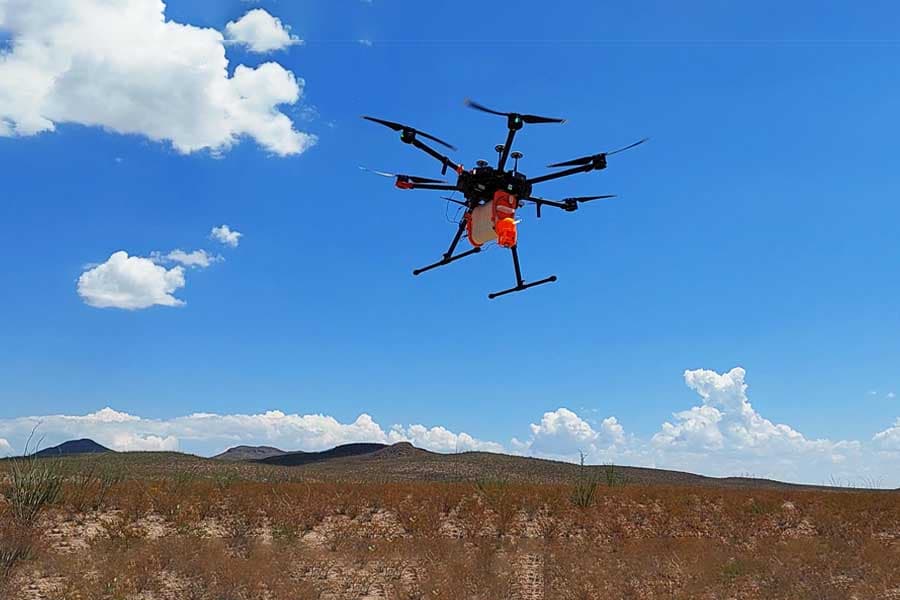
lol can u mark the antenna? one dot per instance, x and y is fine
(516, 156)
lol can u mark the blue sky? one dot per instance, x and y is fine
(757, 229)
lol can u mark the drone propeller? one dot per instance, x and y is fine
(585, 160)
(412, 178)
(567, 204)
(409, 131)
(515, 117)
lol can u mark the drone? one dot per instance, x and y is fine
(493, 194)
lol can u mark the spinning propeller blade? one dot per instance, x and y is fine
(412, 178)
(589, 198)
(413, 131)
(531, 119)
(584, 160)
(628, 147)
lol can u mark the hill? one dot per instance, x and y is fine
(404, 462)
(241, 453)
(84, 446)
(294, 459)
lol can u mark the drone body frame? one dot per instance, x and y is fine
(493, 194)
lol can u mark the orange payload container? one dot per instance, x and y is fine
(506, 232)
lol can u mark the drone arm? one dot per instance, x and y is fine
(540, 201)
(445, 161)
(506, 149)
(559, 174)
(429, 186)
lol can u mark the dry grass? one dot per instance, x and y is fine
(223, 536)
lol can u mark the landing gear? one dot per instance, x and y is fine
(520, 283)
(448, 255)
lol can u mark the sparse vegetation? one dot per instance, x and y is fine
(32, 485)
(585, 487)
(282, 534)
(613, 476)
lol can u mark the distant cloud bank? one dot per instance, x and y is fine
(722, 435)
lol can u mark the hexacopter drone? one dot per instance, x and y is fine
(492, 195)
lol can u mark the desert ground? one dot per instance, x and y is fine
(401, 523)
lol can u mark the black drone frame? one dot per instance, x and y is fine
(478, 185)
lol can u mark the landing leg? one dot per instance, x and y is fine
(448, 255)
(520, 283)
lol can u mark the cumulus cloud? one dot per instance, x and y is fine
(226, 235)
(130, 283)
(563, 434)
(135, 282)
(261, 32)
(5, 448)
(726, 421)
(441, 439)
(124, 67)
(725, 435)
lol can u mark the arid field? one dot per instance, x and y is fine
(404, 524)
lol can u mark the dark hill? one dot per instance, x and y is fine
(295, 459)
(239, 453)
(404, 462)
(73, 447)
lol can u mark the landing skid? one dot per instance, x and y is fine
(447, 260)
(520, 283)
(522, 287)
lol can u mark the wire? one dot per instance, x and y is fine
(455, 219)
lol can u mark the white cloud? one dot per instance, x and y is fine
(440, 439)
(725, 435)
(261, 32)
(226, 235)
(131, 283)
(365, 42)
(132, 442)
(122, 66)
(727, 421)
(889, 439)
(563, 434)
(107, 415)
(5, 448)
(197, 258)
